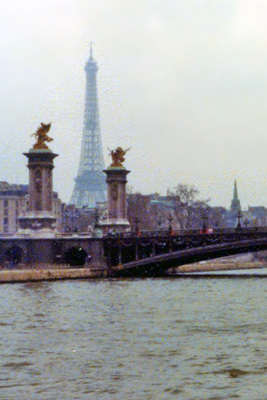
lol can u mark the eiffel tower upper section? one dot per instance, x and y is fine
(90, 186)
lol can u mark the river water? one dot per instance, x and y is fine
(173, 338)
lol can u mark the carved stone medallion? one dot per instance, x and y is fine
(114, 191)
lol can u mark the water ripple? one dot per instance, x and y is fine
(134, 339)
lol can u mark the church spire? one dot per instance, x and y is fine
(235, 197)
(235, 204)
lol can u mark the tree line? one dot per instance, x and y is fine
(182, 207)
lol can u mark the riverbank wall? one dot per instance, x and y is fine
(31, 275)
(219, 266)
(48, 273)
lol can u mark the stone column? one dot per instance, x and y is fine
(39, 217)
(117, 208)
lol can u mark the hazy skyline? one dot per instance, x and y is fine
(181, 82)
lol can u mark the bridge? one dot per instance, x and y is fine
(153, 253)
(149, 253)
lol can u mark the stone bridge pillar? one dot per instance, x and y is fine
(39, 218)
(117, 207)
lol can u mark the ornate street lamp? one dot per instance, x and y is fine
(75, 217)
(70, 218)
(170, 219)
(137, 221)
(239, 216)
(97, 217)
(159, 223)
(246, 222)
(205, 221)
(66, 220)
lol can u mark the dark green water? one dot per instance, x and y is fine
(134, 339)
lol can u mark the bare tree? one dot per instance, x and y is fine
(218, 217)
(188, 209)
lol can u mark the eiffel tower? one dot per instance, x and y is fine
(90, 186)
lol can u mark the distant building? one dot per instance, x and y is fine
(255, 216)
(163, 207)
(14, 202)
(82, 220)
(153, 212)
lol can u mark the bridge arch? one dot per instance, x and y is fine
(158, 264)
(14, 255)
(76, 256)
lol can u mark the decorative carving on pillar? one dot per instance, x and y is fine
(49, 190)
(38, 179)
(48, 178)
(114, 191)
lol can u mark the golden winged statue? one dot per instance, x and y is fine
(42, 137)
(117, 156)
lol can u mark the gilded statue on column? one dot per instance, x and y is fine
(42, 137)
(117, 156)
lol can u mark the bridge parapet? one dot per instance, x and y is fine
(163, 233)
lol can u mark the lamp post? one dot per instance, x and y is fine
(246, 222)
(239, 216)
(170, 219)
(70, 217)
(66, 215)
(75, 216)
(205, 221)
(159, 223)
(97, 217)
(137, 221)
(64, 219)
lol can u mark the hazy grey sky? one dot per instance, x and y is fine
(183, 82)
